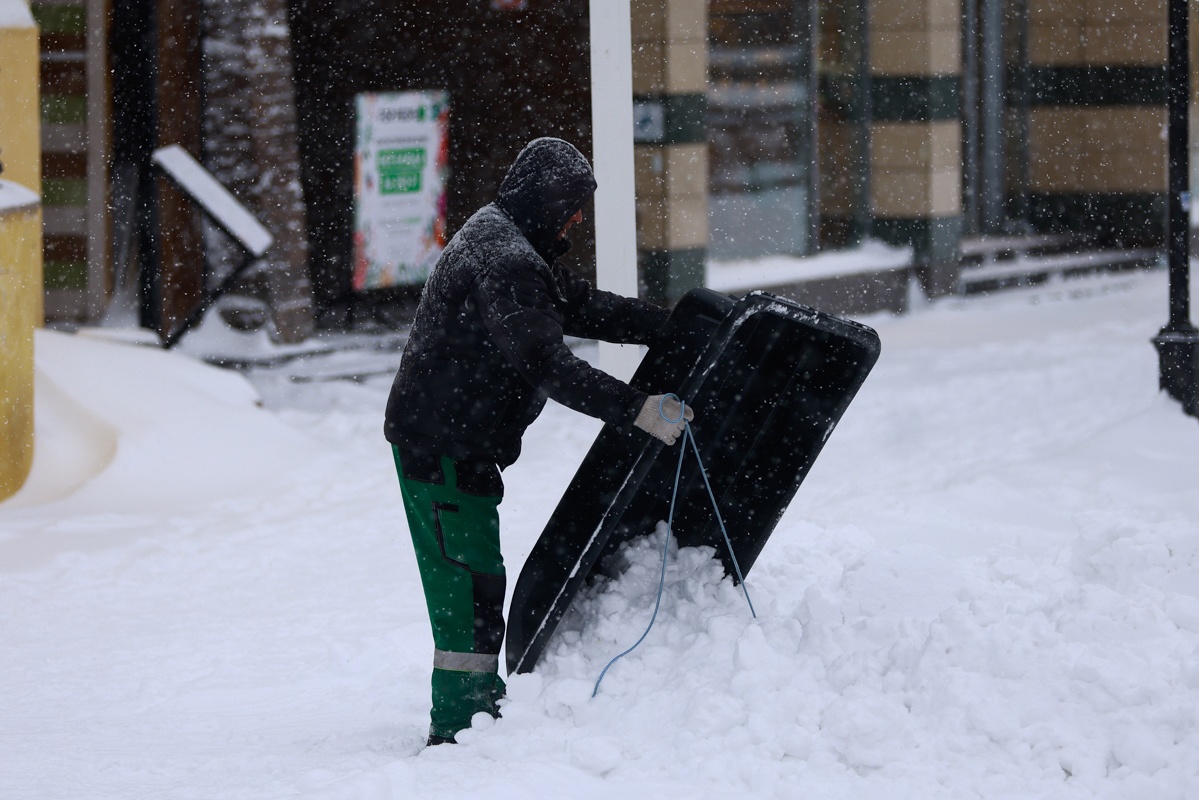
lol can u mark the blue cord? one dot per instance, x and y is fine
(687, 434)
(723, 530)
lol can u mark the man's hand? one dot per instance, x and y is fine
(664, 417)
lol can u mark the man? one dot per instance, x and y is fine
(485, 352)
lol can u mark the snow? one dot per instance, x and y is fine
(15, 14)
(988, 586)
(215, 198)
(14, 196)
(739, 277)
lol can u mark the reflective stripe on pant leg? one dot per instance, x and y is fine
(466, 662)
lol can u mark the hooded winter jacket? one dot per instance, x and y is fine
(486, 348)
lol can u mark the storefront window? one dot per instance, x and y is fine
(760, 128)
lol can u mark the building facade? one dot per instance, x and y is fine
(762, 128)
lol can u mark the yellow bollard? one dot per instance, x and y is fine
(20, 313)
(20, 111)
(20, 238)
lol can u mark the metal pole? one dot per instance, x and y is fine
(808, 14)
(857, 54)
(197, 313)
(1018, 94)
(971, 177)
(612, 151)
(1178, 80)
(991, 93)
(1178, 342)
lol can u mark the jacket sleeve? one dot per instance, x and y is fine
(595, 314)
(518, 310)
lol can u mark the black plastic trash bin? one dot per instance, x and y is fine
(768, 378)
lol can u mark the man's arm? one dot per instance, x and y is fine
(596, 314)
(517, 309)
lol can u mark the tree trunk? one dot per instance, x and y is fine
(252, 146)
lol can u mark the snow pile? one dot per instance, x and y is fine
(136, 429)
(888, 672)
(988, 586)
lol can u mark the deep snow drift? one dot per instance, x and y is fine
(987, 587)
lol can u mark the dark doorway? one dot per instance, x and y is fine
(156, 93)
(511, 75)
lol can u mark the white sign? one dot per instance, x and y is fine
(214, 198)
(400, 166)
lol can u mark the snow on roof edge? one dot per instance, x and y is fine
(15, 14)
(14, 196)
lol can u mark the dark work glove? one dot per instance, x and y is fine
(656, 415)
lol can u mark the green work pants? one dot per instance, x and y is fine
(453, 514)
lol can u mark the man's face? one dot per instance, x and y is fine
(575, 220)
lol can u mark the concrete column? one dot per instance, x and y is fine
(915, 147)
(1097, 155)
(670, 78)
(842, 133)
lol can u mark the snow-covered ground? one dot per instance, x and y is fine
(988, 587)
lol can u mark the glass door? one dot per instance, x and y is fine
(760, 128)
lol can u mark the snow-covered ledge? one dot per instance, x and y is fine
(865, 279)
(15, 14)
(740, 276)
(14, 196)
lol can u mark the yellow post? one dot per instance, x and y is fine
(20, 113)
(20, 239)
(20, 313)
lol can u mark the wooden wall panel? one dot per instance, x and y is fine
(75, 114)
